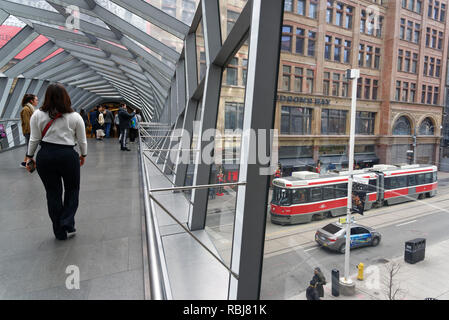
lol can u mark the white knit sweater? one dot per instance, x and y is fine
(67, 130)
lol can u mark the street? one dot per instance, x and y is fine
(291, 254)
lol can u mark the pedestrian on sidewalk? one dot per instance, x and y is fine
(125, 124)
(29, 102)
(311, 292)
(320, 281)
(58, 128)
(108, 121)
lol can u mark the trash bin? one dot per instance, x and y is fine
(335, 282)
(415, 250)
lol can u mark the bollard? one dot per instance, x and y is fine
(360, 267)
(335, 282)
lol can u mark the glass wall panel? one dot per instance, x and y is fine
(200, 52)
(229, 12)
(225, 168)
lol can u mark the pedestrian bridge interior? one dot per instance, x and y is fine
(149, 226)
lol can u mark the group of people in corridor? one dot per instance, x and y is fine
(57, 128)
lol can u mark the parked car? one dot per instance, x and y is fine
(333, 236)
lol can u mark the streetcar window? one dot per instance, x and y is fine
(315, 194)
(420, 179)
(435, 177)
(281, 196)
(331, 228)
(299, 196)
(341, 190)
(412, 180)
(373, 185)
(398, 182)
(387, 184)
(428, 177)
(328, 192)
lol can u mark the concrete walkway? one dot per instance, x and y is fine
(107, 248)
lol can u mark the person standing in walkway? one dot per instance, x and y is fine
(117, 125)
(57, 128)
(320, 281)
(100, 123)
(93, 115)
(28, 103)
(311, 292)
(125, 123)
(108, 121)
(135, 125)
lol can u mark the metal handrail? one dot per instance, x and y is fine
(204, 186)
(157, 287)
(10, 120)
(193, 236)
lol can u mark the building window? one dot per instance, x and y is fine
(286, 75)
(371, 24)
(426, 128)
(300, 40)
(326, 83)
(244, 71)
(375, 89)
(301, 9)
(430, 94)
(337, 49)
(369, 56)
(339, 15)
(328, 48)
(365, 123)
(288, 5)
(299, 77)
(234, 115)
(313, 9)
(296, 120)
(437, 10)
(329, 11)
(412, 92)
(412, 5)
(232, 72)
(311, 44)
(402, 127)
(409, 31)
(434, 39)
(309, 81)
(232, 18)
(333, 121)
(347, 52)
(287, 38)
(407, 61)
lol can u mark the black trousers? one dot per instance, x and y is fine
(133, 134)
(124, 134)
(59, 166)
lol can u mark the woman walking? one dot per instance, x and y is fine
(28, 103)
(320, 281)
(57, 128)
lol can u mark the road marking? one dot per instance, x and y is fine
(311, 249)
(403, 224)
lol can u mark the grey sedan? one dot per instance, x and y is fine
(333, 236)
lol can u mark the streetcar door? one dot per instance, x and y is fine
(380, 187)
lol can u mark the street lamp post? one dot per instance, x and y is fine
(354, 75)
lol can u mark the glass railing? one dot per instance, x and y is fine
(168, 208)
(10, 134)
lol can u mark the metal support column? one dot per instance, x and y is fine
(252, 199)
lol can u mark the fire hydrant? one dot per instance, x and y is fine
(360, 274)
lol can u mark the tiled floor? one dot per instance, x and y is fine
(108, 246)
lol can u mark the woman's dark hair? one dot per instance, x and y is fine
(56, 101)
(27, 99)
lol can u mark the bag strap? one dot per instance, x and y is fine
(59, 115)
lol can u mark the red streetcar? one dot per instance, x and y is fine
(307, 196)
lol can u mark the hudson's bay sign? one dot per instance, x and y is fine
(315, 101)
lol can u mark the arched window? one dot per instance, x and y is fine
(402, 127)
(427, 128)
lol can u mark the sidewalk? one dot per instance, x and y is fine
(425, 279)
